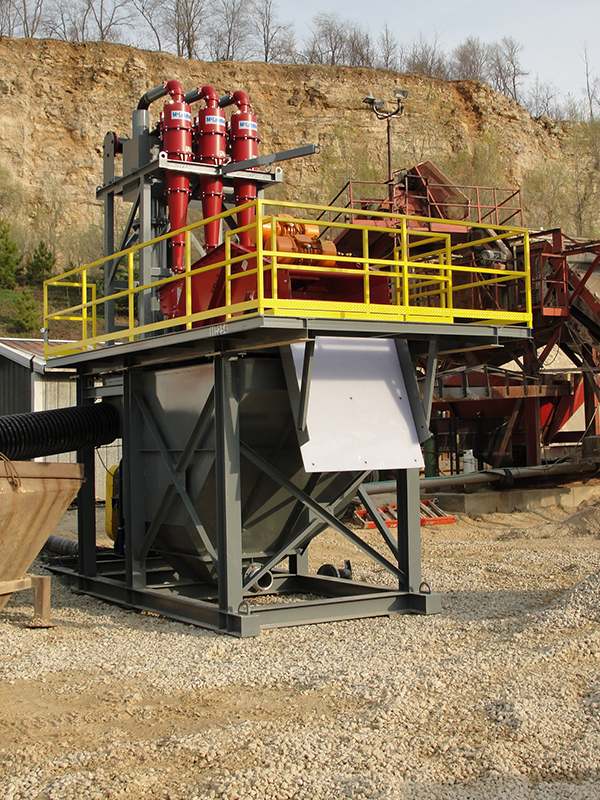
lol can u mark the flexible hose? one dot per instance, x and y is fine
(46, 433)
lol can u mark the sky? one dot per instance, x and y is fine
(553, 32)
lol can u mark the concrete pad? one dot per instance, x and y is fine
(515, 499)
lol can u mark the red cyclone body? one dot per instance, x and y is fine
(176, 134)
(211, 148)
(243, 139)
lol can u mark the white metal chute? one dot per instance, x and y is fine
(359, 415)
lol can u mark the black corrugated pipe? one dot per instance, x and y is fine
(61, 547)
(46, 433)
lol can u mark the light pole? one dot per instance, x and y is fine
(378, 108)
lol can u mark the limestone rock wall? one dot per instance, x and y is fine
(57, 101)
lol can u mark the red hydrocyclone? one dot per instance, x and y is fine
(243, 137)
(176, 133)
(211, 147)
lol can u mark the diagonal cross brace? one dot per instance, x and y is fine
(379, 522)
(412, 389)
(198, 434)
(298, 540)
(175, 477)
(319, 510)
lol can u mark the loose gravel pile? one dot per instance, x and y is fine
(497, 697)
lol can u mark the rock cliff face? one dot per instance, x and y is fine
(57, 101)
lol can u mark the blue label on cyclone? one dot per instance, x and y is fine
(248, 125)
(181, 115)
(214, 120)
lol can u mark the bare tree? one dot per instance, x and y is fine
(87, 20)
(67, 21)
(274, 40)
(150, 12)
(469, 61)
(541, 100)
(29, 14)
(389, 49)
(229, 31)
(327, 43)
(426, 57)
(106, 19)
(183, 24)
(592, 86)
(8, 18)
(506, 72)
(359, 50)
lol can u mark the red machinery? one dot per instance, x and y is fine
(504, 412)
(214, 148)
(211, 148)
(243, 142)
(175, 129)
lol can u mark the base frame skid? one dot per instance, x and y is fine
(339, 599)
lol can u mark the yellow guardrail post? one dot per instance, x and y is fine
(188, 279)
(45, 305)
(84, 308)
(528, 303)
(365, 251)
(404, 251)
(130, 296)
(397, 276)
(274, 288)
(228, 272)
(260, 274)
(94, 313)
(449, 289)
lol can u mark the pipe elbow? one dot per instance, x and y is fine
(151, 95)
(175, 90)
(210, 96)
(241, 100)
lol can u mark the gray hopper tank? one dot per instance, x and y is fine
(271, 517)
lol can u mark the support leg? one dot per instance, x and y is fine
(409, 528)
(41, 601)
(228, 485)
(133, 482)
(86, 502)
(299, 563)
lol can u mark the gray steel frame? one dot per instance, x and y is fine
(144, 580)
(141, 579)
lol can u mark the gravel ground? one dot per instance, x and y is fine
(497, 697)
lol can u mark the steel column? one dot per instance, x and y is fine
(86, 500)
(409, 529)
(109, 249)
(228, 484)
(133, 480)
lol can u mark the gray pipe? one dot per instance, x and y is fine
(151, 95)
(488, 476)
(196, 94)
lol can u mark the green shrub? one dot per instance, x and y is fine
(28, 315)
(9, 258)
(39, 266)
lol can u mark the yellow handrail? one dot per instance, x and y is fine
(423, 273)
